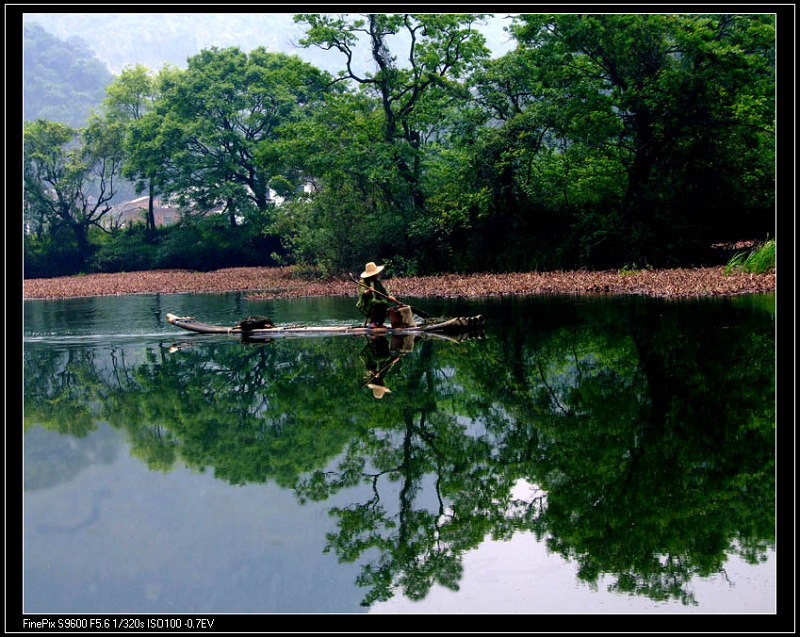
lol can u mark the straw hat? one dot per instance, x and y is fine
(371, 270)
(379, 390)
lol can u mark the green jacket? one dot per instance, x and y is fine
(365, 301)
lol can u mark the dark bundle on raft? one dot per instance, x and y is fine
(255, 323)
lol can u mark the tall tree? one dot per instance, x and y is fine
(128, 99)
(347, 218)
(685, 90)
(218, 119)
(440, 50)
(71, 175)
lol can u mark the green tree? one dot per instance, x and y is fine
(71, 176)
(440, 51)
(347, 217)
(218, 119)
(129, 98)
(686, 90)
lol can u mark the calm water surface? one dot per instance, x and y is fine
(585, 455)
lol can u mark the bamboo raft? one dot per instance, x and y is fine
(455, 326)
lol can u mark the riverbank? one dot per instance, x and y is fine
(271, 283)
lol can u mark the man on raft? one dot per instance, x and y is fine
(373, 299)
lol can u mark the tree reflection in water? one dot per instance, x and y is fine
(649, 427)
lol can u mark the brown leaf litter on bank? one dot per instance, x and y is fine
(261, 283)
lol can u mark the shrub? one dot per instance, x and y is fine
(759, 260)
(131, 250)
(51, 255)
(210, 243)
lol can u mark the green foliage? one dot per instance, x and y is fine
(195, 243)
(130, 250)
(601, 140)
(218, 121)
(349, 217)
(131, 95)
(401, 110)
(334, 231)
(668, 99)
(52, 254)
(630, 269)
(210, 243)
(128, 99)
(759, 260)
(69, 180)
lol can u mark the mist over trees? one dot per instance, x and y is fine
(63, 80)
(158, 39)
(599, 141)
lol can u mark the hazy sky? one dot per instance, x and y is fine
(154, 39)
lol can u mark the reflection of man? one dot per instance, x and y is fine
(378, 360)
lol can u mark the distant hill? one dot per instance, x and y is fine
(62, 79)
(155, 39)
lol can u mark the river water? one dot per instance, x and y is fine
(581, 455)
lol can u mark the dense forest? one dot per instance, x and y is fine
(598, 141)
